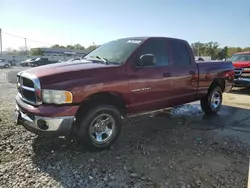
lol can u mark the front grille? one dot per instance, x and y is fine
(27, 86)
(245, 75)
(237, 72)
(29, 95)
(27, 82)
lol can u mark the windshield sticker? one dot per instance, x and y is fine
(134, 41)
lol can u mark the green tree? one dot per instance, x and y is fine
(223, 53)
(70, 47)
(200, 49)
(36, 52)
(55, 46)
(212, 48)
(91, 48)
(225, 50)
(233, 50)
(79, 47)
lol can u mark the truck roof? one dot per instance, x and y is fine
(148, 37)
(243, 52)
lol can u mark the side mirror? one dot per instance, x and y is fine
(147, 60)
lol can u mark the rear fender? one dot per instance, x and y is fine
(218, 82)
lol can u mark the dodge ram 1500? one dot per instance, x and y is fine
(121, 78)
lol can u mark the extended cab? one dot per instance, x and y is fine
(121, 78)
(241, 62)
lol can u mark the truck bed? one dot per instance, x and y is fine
(214, 66)
(210, 70)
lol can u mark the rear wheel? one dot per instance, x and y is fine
(99, 127)
(211, 103)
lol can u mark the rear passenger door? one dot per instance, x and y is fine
(184, 72)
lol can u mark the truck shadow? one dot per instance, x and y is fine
(146, 141)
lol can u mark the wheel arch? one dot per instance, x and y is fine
(220, 82)
(104, 98)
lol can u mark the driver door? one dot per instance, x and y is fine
(150, 86)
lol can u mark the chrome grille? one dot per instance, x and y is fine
(237, 72)
(28, 86)
(245, 75)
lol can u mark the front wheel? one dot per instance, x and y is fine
(211, 103)
(99, 127)
(6, 66)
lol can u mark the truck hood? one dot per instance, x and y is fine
(241, 64)
(59, 68)
(71, 72)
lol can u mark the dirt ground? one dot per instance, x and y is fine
(175, 148)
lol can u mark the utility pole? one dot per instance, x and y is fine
(25, 42)
(1, 42)
(198, 49)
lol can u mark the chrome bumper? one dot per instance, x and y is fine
(242, 82)
(242, 79)
(45, 126)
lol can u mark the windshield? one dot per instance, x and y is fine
(240, 57)
(115, 51)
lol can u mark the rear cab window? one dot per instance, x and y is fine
(158, 47)
(180, 52)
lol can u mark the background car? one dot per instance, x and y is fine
(4, 63)
(26, 62)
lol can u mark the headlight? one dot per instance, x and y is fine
(56, 96)
(246, 69)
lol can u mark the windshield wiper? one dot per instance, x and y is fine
(101, 58)
(97, 57)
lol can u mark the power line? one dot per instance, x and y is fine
(13, 35)
(17, 36)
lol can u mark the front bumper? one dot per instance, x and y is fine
(242, 82)
(44, 126)
(58, 122)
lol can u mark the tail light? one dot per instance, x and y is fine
(229, 74)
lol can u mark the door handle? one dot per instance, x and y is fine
(192, 72)
(168, 74)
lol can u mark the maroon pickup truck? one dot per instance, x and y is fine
(121, 78)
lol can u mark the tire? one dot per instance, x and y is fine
(6, 66)
(87, 125)
(209, 104)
